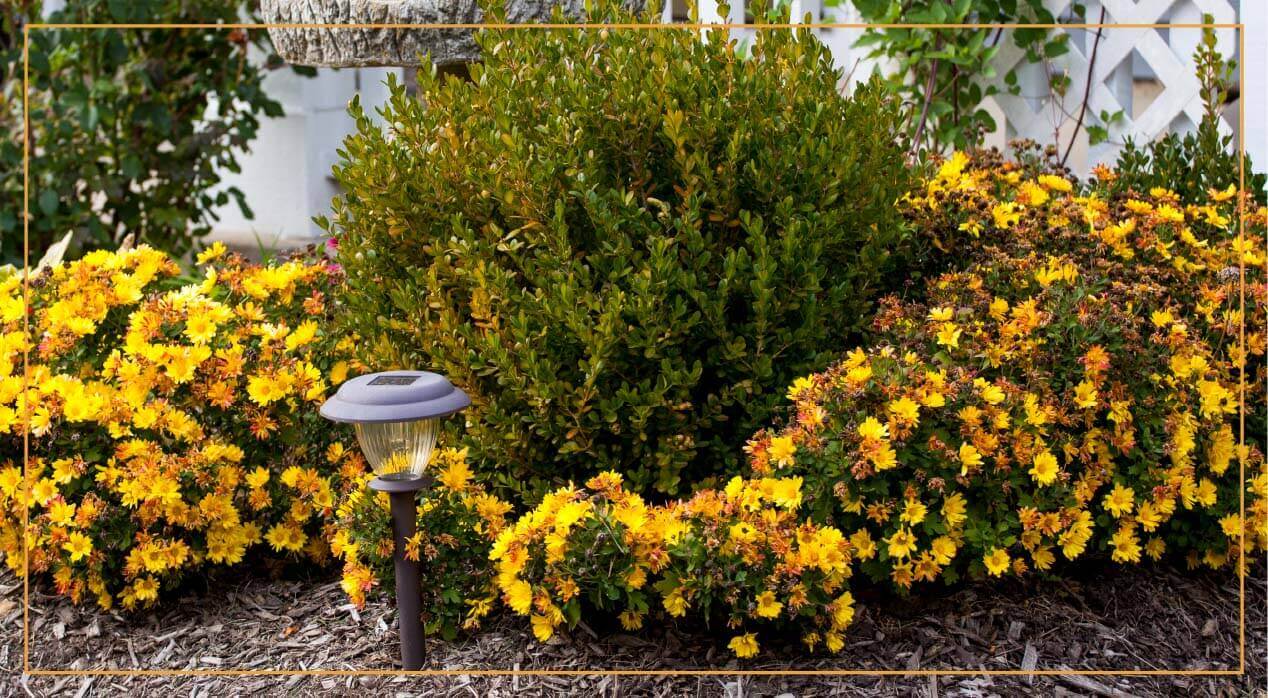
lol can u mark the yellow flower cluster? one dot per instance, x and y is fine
(743, 552)
(152, 450)
(457, 521)
(1074, 387)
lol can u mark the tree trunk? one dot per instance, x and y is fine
(339, 47)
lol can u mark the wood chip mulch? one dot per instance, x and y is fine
(1156, 618)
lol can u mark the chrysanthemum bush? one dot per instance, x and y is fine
(1072, 389)
(741, 557)
(173, 421)
(457, 523)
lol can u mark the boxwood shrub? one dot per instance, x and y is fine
(624, 244)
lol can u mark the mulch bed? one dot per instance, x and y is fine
(1146, 618)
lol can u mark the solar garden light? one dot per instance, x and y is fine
(397, 416)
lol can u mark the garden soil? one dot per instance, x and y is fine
(1142, 618)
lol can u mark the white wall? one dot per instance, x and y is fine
(1254, 14)
(286, 175)
(272, 176)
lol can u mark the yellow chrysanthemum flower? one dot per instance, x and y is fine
(744, 646)
(997, 561)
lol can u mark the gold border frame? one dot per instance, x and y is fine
(695, 26)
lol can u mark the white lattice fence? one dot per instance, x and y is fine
(1132, 65)
(1123, 55)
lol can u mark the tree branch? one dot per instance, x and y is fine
(924, 110)
(1087, 88)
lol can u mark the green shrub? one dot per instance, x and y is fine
(623, 244)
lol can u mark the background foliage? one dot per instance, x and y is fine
(131, 129)
(942, 76)
(622, 244)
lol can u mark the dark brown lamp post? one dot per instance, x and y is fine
(397, 417)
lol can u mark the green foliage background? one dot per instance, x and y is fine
(130, 128)
(623, 244)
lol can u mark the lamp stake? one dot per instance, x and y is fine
(401, 494)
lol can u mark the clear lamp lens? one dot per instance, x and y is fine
(398, 450)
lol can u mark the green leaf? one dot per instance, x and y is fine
(48, 202)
